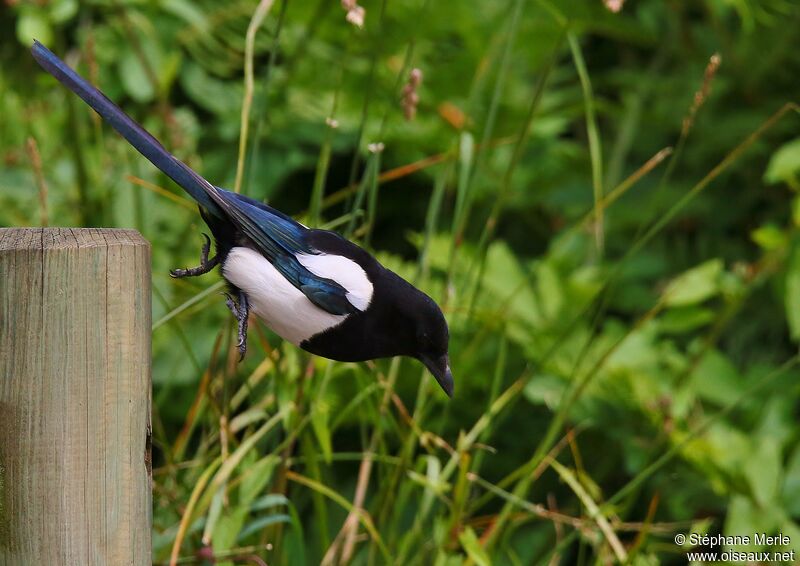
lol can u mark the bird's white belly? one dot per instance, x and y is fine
(281, 305)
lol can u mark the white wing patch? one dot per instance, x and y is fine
(281, 305)
(345, 272)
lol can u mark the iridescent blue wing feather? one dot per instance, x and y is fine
(280, 239)
(273, 233)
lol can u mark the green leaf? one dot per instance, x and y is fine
(216, 96)
(320, 424)
(744, 517)
(63, 10)
(681, 320)
(507, 285)
(188, 12)
(295, 538)
(716, 378)
(791, 485)
(763, 470)
(769, 237)
(645, 560)
(448, 559)
(791, 292)
(791, 530)
(33, 24)
(168, 70)
(695, 285)
(262, 523)
(228, 528)
(134, 78)
(472, 546)
(255, 477)
(550, 289)
(784, 163)
(268, 501)
(214, 513)
(545, 389)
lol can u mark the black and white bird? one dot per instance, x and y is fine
(312, 287)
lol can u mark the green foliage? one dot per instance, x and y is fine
(623, 326)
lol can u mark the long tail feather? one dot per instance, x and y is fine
(138, 137)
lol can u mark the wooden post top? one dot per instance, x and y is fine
(66, 238)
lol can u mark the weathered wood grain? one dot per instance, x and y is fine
(75, 477)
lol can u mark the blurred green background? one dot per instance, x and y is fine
(607, 214)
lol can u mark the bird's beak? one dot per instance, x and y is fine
(440, 368)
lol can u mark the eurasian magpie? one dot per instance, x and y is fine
(312, 287)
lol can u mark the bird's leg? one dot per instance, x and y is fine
(244, 313)
(241, 312)
(205, 266)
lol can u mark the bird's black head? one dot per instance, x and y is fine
(400, 320)
(431, 341)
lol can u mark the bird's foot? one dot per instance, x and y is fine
(205, 266)
(241, 312)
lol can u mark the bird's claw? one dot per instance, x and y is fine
(205, 266)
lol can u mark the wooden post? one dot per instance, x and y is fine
(75, 475)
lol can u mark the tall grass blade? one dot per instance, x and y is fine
(249, 86)
(595, 149)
